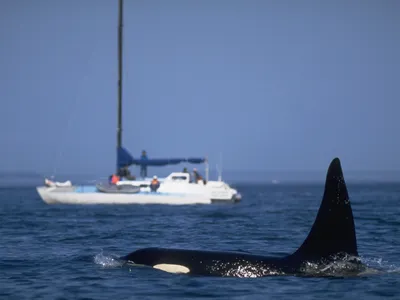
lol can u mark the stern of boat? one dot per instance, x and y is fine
(221, 192)
(236, 197)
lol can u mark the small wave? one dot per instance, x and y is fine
(380, 265)
(107, 261)
(340, 266)
(350, 266)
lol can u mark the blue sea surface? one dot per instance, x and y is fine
(68, 251)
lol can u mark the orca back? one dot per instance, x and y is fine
(333, 233)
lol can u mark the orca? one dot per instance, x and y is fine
(330, 243)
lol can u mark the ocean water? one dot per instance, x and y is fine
(67, 252)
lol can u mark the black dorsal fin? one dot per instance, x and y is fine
(333, 231)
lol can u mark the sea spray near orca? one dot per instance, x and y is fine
(332, 239)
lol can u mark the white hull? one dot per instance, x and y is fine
(172, 191)
(56, 196)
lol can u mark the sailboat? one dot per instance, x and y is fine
(177, 188)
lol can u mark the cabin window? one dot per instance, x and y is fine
(179, 177)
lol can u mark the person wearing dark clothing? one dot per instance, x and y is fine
(197, 176)
(124, 172)
(185, 170)
(143, 168)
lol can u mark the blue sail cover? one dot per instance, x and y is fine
(125, 159)
(167, 161)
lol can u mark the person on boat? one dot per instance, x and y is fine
(143, 168)
(124, 172)
(114, 179)
(185, 170)
(155, 184)
(197, 176)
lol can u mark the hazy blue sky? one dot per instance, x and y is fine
(273, 85)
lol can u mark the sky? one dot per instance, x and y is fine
(270, 85)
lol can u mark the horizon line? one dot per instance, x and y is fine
(41, 173)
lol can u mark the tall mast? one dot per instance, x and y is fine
(119, 125)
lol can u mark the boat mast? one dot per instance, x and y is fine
(119, 124)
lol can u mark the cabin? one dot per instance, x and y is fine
(178, 177)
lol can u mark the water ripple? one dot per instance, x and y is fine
(71, 252)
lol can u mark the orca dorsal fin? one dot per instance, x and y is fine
(333, 231)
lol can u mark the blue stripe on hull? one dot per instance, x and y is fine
(86, 189)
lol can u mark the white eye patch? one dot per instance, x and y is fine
(170, 268)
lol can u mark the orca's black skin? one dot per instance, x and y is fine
(332, 237)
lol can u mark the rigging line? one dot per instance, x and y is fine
(59, 152)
